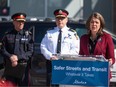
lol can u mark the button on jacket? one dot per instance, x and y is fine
(69, 44)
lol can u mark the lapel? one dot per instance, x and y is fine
(98, 47)
(86, 46)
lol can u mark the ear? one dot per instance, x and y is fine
(67, 19)
(13, 22)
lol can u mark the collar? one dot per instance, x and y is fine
(64, 29)
(97, 37)
(20, 32)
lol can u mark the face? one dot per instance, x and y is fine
(94, 25)
(61, 21)
(19, 25)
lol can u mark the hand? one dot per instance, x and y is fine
(15, 63)
(110, 61)
(54, 58)
(14, 60)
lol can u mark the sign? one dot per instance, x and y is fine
(83, 73)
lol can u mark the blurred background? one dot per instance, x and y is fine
(78, 9)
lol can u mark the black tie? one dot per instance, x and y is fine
(16, 48)
(59, 41)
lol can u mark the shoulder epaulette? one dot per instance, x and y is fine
(75, 33)
(50, 29)
(7, 32)
(72, 30)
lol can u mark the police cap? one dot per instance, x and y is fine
(61, 13)
(19, 17)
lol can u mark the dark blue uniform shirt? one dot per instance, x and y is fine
(24, 45)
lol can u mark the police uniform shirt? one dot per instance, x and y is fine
(9, 41)
(69, 44)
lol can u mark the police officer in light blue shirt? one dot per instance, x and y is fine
(70, 42)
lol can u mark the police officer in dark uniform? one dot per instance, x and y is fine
(17, 50)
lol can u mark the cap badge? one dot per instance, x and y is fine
(21, 16)
(60, 11)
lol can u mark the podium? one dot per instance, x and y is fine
(80, 71)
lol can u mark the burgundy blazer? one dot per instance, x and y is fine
(104, 46)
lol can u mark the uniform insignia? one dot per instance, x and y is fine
(50, 36)
(27, 33)
(21, 16)
(30, 32)
(75, 33)
(60, 11)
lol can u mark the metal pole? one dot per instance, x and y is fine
(33, 33)
(112, 16)
(8, 3)
(46, 5)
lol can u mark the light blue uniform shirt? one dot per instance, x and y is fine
(70, 44)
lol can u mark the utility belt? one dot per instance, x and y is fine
(19, 69)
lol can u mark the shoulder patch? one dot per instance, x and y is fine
(75, 33)
(28, 32)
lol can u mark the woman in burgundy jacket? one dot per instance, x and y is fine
(97, 42)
